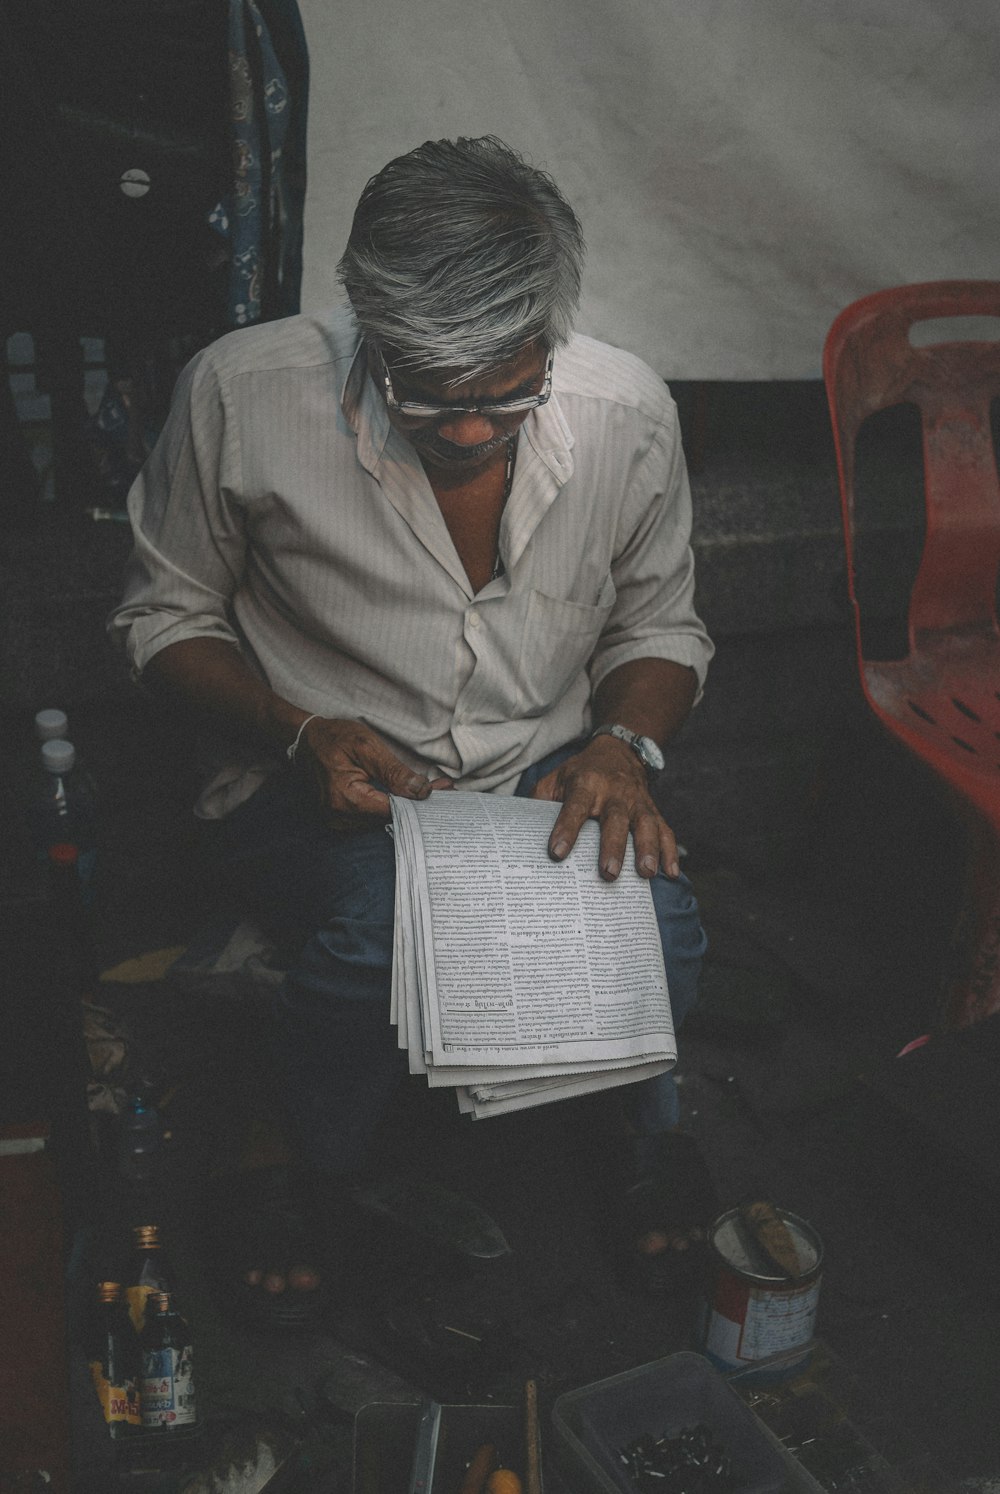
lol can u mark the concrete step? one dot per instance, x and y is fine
(768, 533)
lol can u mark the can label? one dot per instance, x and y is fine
(751, 1318)
(747, 1324)
(167, 1388)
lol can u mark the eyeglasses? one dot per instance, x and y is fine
(420, 410)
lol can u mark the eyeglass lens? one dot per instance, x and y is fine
(486, 407)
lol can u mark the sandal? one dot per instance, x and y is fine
(662, 1215)
(263, 1220)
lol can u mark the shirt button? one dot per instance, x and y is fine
(473, 618)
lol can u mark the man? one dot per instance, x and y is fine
(433, 539)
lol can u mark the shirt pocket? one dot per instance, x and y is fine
(558, 641)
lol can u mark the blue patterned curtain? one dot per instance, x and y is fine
(262, 217)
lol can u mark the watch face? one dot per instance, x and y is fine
(650, 753)
(645, 749)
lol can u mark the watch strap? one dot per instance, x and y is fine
(645, 749)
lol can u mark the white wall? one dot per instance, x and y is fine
(742, 168)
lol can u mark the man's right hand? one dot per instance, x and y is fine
(345, 760)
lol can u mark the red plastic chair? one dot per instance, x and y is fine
(943, 700)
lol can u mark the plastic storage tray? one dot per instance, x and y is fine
(592, 1423)
(385, 1436)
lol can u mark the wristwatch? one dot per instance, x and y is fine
(645, 749)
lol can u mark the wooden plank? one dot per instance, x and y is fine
(34, 1378)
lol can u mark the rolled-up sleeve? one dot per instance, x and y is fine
(189, 542)
(653, 571)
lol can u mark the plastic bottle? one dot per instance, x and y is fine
(71, 925)
(65, 810)
(168, 1399)
(115, 1358)
(50, 724)
(139, 1136)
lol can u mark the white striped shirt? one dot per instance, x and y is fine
(282, 511)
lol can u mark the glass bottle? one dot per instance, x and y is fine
(168, 1397)
(115, 1359)
(148, 1272)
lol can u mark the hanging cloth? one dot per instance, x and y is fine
(261, 217)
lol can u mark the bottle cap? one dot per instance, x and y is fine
(146, 1236)
(64, 853)
(109, 1291)
(50, 724)
(58, 755)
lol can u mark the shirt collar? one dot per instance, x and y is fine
(547, 431)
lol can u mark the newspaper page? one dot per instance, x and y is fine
(510, 967)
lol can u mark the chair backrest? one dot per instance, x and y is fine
(869, 364)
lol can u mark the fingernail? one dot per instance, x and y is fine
(673, 870)
(418, 785)
(647, 865)
(612, 868)
(560, 849)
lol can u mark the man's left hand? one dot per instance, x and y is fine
(606, 782)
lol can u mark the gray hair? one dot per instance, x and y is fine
(460, 255)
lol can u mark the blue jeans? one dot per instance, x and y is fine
(326, 898)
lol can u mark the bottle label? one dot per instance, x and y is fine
(168, 1387)
(120, 1403)
(137, 1297)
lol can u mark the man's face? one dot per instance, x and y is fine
(460, 441)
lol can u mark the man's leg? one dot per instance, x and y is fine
(326, 898)
(653, 1106)
(663, 1197)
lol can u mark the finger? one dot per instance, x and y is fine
(353, 768)
(614, 839)
(647, 838)
(400, 779)
(669, 859)
(566, 828)
(380, 764)
(353, 796)
(442, 783)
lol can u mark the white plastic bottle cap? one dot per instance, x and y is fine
(50, 724)
(58, 756)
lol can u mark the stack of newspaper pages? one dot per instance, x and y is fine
(518, 979)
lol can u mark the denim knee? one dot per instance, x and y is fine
(683, 940)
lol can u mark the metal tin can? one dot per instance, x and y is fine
(755, 1322)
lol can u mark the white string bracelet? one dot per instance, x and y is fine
(293, 748)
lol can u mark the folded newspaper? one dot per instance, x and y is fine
(517, 979)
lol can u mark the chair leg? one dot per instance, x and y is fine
(972, 991)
